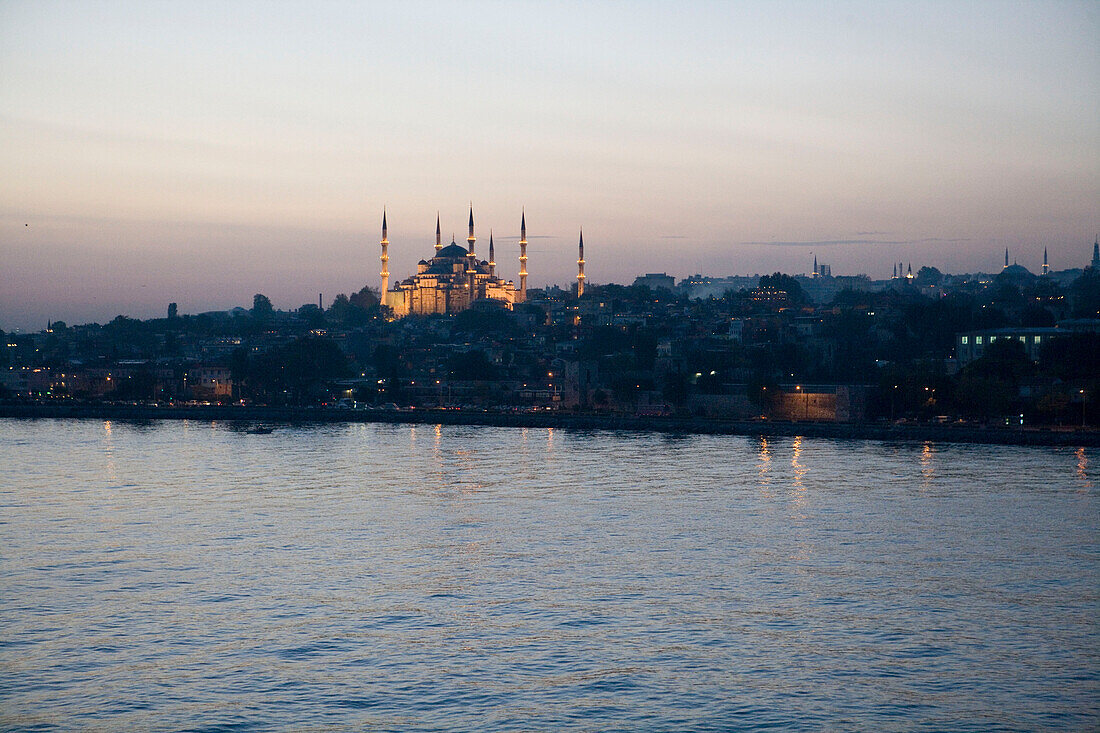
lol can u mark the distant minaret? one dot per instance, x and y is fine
(815, 267)
(1096, 254)
(895, 277)
(1046, 265)
(471, 258)
(522, 257)
(438, 238)
(1006, 256)
(909, 272)
(385, 259)
(580, 266)
(492, 256)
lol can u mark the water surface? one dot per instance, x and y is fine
(190, 576)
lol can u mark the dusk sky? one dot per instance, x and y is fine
(202, 152)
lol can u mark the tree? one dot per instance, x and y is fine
(476, 320)
(1085, 292)
(1073, 356)
(313, 316)
(261, 308)
(366, 298)
(929, 276)
(471, 365)
(787, 284)
(1004, 359)
(297, 369)
(340, 309)
(173, 311)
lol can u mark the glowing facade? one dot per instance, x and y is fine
(454, 279)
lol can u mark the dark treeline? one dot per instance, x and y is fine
(619, 348)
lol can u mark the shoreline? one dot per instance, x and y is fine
(679, 425)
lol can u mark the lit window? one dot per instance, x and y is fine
(978, 340)
(1037, 339)
(965, 340)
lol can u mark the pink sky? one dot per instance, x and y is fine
(203, 152)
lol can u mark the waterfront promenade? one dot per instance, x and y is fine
(589, 421)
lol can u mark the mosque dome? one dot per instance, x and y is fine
(1016, 274)
(452, 250)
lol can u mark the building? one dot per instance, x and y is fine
(656, 281)
(454, 279)
(972, 344)
(821, 270)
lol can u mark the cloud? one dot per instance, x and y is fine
(837, 242)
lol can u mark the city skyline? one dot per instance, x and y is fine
(200, 154)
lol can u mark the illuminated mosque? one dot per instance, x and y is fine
(454, 279)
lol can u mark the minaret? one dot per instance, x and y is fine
(385, 259)
(1046, 265)
(1006, 256)
(492, 256)
(522, 294)
(438, 239)
(471, 258)
(815, 267)
(1096, 254)
(909, 273)
(895, 276)
(580, 266)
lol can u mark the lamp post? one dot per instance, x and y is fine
(1082, 393)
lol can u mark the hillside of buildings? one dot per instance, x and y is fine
(923, 346)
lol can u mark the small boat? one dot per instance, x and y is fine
(260, 431)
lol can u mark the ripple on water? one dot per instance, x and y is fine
(186, 576)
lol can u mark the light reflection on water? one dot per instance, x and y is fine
(190, 575)
(1082, 469)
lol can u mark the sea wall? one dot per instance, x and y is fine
(865, 431)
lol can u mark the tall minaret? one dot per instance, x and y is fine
(895, 277)
(385, 259)
(1046, 265)
(1096, 254)
(580, 266)
(492, 256)
(438, 239)
(815, 267)
(522, 294)
(471, 258)
(1006, 256)
(909, 272)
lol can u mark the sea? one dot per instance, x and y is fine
(196, 576)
